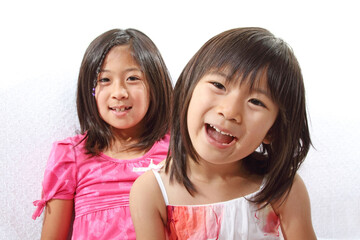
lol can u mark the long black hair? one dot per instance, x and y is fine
(98, 134)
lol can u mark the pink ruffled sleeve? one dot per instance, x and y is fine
(60, 175)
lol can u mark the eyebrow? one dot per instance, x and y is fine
(221, 74)
(126, 70)
(261, 91)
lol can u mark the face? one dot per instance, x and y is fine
(226, 121)
(122, 94)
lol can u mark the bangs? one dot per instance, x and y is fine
(252, 78)
(248, 58)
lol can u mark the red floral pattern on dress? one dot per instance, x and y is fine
(234, 219)
(197, 223)
(268, 221)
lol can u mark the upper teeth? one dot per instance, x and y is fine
(119, 109)
(218, 130)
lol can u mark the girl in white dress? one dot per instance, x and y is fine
(239, 134)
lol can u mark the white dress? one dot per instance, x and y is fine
(234, 219)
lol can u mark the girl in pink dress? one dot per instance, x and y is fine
(239, 133)
(123, 101)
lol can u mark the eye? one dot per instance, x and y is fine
(133, 78)
(103, 80)
(257, 102)
(218, 85)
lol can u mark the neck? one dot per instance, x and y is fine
(205, 171)
(229, 181)
(121, 147)
(126, 137)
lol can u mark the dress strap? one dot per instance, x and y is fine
(161, 185)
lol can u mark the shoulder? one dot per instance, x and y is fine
(297, 194)
(146, 185)
(164, 141)
(147, 207)
(293, 201)
(295, 212)
(166, 138)
(159, 150)
(66, 151)
(69, 144)
(145, 180)
(71, 141)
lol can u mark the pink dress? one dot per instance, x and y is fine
(100, 187)
(234, 219)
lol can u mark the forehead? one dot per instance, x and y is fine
(118, 53)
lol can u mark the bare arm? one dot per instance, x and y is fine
(295, 213)
(147, 207)
(57, 220)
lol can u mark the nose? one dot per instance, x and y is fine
(230, 108)
(119, 91)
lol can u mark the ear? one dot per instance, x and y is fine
(268, 138)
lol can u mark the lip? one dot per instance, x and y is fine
(223, 131)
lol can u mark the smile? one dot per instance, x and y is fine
(219, 136)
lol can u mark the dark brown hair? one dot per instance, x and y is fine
(98, 134)
(247, 53)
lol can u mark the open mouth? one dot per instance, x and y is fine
(122, 109)
(218, 135)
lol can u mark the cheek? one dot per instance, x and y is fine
(100, 94)
(99, 99)
(192, 111)
(193, 120)
(146, 98)
(98, 89)
(196, 104)
(143, 99)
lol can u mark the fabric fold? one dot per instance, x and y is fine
(40, 204)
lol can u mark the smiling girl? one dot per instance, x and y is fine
(239, 134)
(123, 98)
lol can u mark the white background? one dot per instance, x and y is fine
(42, 44)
